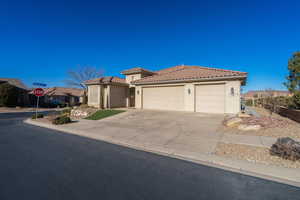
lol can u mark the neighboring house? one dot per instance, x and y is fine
(256, 94)
(61, 96)
(22, 90)
(180, 88)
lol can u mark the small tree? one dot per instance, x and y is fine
(8, 95)
(82, 74)
(293, 79)
(269, 101)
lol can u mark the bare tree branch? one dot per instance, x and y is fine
(76, 78)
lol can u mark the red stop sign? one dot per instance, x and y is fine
(38, 92)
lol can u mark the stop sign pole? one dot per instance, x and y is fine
(38, 92)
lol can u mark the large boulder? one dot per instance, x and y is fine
(233, 121)
(286, 148)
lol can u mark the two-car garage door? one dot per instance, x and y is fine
(207, 98)
(163, 98)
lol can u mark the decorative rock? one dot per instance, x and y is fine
(244, 127)
(233, 121)
(286, 148)
(243, 115)
(79, 113)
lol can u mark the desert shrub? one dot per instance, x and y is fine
(283, 101)
(259, 102)
(286, 148)
(62, 119)
(84, 106)
(8, 95)
(66, 111)
(39, 115)
(249, 102)
(296, 100)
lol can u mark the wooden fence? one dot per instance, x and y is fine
(290, 113)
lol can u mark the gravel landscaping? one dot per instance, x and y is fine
(272, 125)
(253, 154)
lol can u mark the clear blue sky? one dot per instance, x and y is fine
(40, 40)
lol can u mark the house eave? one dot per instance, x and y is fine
(241, 78)
(111, 83)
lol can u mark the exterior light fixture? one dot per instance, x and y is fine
(232, 91)
(138, 92)
(189, 91)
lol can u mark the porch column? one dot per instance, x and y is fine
(108, 97)
(128, 97)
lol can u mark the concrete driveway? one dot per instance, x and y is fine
(176, 131)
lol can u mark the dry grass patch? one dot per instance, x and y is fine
(253, 154)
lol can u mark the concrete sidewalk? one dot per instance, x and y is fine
(252, 140)
(177, 142)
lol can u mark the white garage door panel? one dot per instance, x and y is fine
(163, 98)
(210, 98)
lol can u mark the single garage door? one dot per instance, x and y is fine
(210, 98)
(163, 98)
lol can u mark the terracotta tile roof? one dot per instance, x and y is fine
(14, 82)
(136, 70)
(62, 91)
(185, 73)
(106, 80)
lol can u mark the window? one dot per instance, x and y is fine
(132, 78)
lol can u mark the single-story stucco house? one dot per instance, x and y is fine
(179, 88)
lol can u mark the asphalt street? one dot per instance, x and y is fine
(38, 163)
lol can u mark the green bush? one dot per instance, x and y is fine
(62, 119)
(8, 95)
(39, 115)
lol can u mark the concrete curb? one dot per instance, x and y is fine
(278, 174)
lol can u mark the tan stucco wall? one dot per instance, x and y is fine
(108, 96)
(232, 103)
(132, 77)
(118, 96)
(105, 96)
(94, 93)
(138, 96)
(189, 98)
